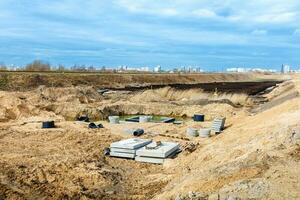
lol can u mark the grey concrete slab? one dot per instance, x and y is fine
(162, 151)
(150, 160)
(119, 150)
(132, 143)
(122, 155)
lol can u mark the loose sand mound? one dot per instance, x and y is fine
(47, 102)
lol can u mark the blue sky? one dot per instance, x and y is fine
(213, 34)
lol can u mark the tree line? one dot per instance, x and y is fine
(42, 66)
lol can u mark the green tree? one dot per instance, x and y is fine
(38, 65)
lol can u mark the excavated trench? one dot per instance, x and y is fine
(250, 88)
(174, 100)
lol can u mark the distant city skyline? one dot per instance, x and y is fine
(213, 35)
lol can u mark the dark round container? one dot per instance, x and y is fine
(48, 124)
(138, 132)
(198, 118)
(106, 151)
(93, 125)
(83, 118)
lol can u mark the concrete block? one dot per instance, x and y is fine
(149, 160)
(119, 150)
(132, 143)
(161, 151)
(122, 155)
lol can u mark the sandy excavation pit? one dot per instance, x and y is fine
(248, 159)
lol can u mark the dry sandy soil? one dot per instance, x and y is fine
(255, 157)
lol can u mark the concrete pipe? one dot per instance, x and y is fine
(114, 119)
(204, 132)
(192, 132)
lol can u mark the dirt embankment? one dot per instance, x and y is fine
(255, 157)
(23, 81)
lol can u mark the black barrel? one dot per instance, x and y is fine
(198, 118)
(48, 124)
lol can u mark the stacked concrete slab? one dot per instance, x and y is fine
(218, 124)
(127, 148)
(156, 152)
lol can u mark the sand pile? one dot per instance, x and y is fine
(66, 102)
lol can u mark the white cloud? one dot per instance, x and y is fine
(169, 11)
(277, 17)
(254, 12)
(204, 13)
(259, 32)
